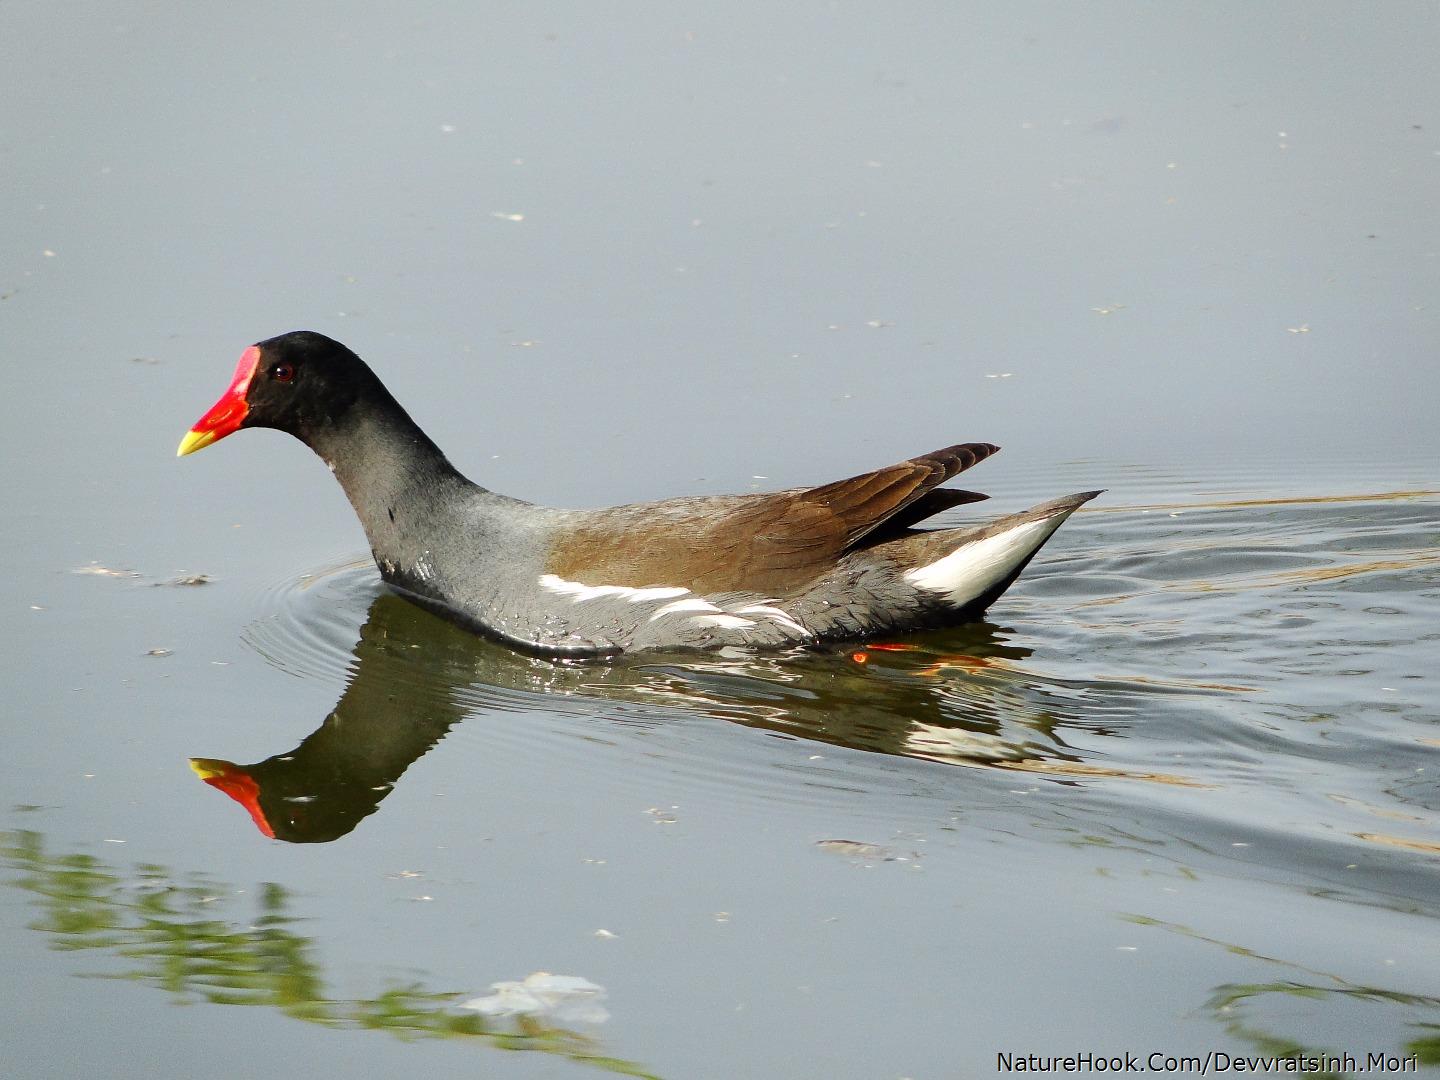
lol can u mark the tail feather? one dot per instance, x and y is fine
(927, 506)
(968, 569)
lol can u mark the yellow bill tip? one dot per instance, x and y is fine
(205, 768)
(194, 440)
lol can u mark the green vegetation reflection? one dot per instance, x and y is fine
(175, 934)
(1235, 1005)
(1231, 1003)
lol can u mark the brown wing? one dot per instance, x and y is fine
(760, 543)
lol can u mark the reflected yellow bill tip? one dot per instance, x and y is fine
(205, 768)
(194, 440)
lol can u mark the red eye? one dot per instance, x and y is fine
(283, 373)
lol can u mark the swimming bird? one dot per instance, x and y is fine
(765, 570)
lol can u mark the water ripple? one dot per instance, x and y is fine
(1265, 659)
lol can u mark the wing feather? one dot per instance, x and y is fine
(763, 543)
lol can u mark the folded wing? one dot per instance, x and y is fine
(767, 543)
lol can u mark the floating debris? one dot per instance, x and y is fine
(859, 849)
(159, 652)
(96, 570)
(556, 999)
(188, 579)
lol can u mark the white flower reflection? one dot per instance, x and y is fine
(550, 999)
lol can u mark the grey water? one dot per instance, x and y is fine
(1176, 795)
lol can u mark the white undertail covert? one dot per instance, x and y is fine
(974, 568)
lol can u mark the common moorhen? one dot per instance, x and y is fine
(776, 569)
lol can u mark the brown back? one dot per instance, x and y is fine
(771, 543)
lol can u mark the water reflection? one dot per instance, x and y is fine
(176, 934)
(404, 696)
(1230, 631)
(1234, 1005)
(960, 697)
(1249, 1012)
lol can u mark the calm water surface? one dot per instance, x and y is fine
(1177, 794)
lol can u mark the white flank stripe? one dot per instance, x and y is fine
(774, 613)
(972, 568)
(729, 622)
(693, 604)
(580, 591)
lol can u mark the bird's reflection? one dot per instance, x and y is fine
(955, 697)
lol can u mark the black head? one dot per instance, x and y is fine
(301, 382)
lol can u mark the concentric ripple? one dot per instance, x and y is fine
(306, 624)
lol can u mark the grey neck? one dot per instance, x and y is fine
(402, 487)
